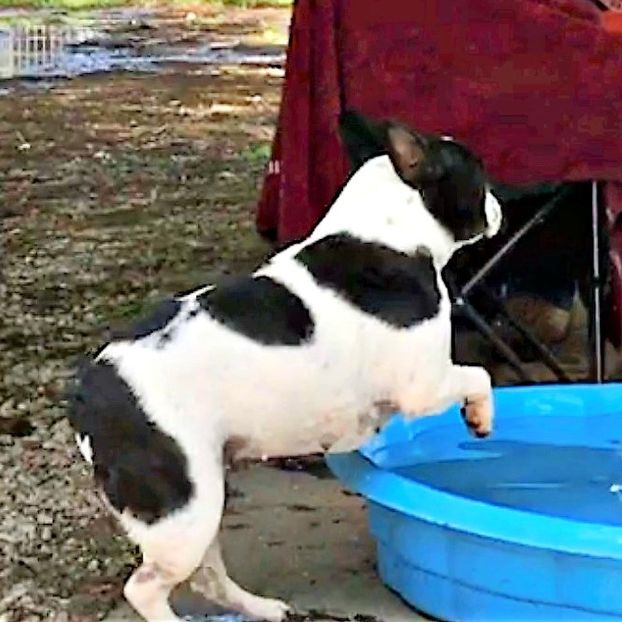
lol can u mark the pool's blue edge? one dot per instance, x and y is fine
(421, 502)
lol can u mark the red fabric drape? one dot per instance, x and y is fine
(534, 87)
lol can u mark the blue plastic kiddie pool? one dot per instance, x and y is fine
(525, 525)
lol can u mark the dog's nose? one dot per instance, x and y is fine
(494, 216)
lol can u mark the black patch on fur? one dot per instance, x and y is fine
(450, 178)
(363, 138)
(260, 309)
(394, 287)
(457, 198)
(138, 466)
(156, 320)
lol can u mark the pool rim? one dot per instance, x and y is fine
(461, 514)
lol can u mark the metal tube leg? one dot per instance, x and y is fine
(548, 358)
(464, 307)
(596, 335)
(538, 218)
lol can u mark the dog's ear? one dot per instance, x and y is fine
(407, 152)
(363, 138)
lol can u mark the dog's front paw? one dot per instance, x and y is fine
(477, 415)
(265, 609)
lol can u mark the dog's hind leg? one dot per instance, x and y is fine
(173, 548)
(148, 589)
(213, 582)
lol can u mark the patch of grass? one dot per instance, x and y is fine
(81, 5)
(70, 5)
(255, 3)
(257, 153)
(132, 310)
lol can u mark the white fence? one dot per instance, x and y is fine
(26, 49)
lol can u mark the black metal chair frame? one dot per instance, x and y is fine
(596, 351)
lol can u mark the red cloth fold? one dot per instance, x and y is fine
(534, 87)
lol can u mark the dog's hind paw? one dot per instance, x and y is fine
(266, 609)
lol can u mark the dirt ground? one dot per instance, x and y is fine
(115, 189)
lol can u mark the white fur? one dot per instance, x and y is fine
(84, 445)
(209, 384)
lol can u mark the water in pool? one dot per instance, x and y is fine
(559, 480)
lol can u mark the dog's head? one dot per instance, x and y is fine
(449, 177)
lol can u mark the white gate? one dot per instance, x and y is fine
(26, 49)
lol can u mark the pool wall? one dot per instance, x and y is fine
(459, 559)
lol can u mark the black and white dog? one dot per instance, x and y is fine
(310, 353)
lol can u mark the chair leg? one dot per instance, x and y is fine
(596, 332)
(547, 357)
(596, 353)
(538, 218)
(465, 308)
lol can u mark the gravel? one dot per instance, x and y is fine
(118, 201)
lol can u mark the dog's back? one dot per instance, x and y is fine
(302, 356)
